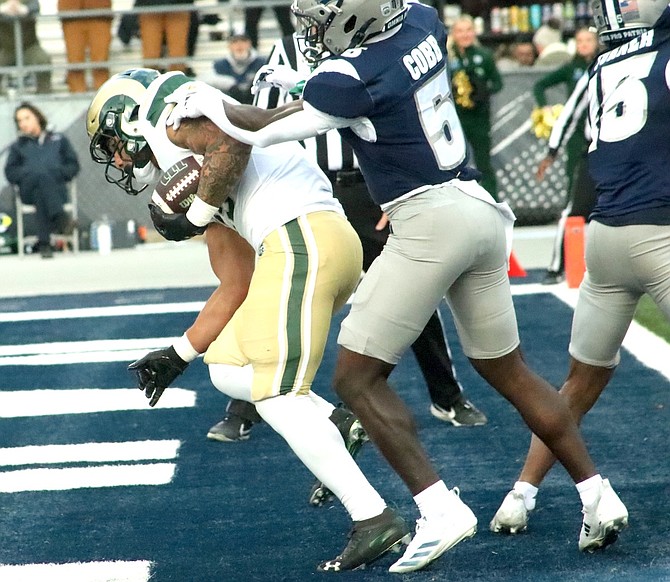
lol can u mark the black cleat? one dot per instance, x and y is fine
(231, 429)
(354, 436)
(553, 277)
(461, 413)
(368, 540)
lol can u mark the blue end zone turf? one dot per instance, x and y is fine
(239, 512)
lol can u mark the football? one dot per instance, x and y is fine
(178, 185)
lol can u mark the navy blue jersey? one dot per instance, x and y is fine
(629, 156)
(401, 86)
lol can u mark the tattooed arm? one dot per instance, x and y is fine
(225, 158)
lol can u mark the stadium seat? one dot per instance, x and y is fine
(22, 210)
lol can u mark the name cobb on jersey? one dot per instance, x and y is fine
(178, 186)
(423, 57)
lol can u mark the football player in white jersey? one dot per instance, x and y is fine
(279, 212)
(381, 80)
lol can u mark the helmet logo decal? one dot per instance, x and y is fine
(629, 10)
(618, 21)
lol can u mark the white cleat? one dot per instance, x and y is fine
(603, 521)
(435, 536)
(512, 515)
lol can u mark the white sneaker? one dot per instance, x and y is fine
(603, 520)
(435, 536)
(512, 515)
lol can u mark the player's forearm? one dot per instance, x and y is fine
(254, 118)
(224, 162)
(269, 127)
(223, 166)
(213, 317)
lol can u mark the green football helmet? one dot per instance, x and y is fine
(112, 124)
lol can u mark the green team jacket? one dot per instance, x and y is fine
(568, 75)
(479, 65)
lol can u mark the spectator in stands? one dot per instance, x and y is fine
(252, 17)
(234, 73)
(524, 53)
(92, 34)
(41, 163)
(515, 56)
(33, 54)
(551, 50)
(169, 28)
(475, 77)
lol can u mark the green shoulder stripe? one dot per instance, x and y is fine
(158, 104)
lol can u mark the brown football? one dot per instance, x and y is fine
(178, 186)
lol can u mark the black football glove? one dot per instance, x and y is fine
(173, 226)
(156, 371)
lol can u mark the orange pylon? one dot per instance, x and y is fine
(575, 264)
(515, 269)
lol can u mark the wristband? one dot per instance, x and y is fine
(200, 213)
(184, 349)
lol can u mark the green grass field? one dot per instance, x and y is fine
(650, 316)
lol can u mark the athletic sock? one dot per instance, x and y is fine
(433, 500)
(589, 490)
(529, 493)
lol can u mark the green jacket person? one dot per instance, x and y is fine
(474, 78)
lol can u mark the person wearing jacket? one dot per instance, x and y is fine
(474, 78)
(234, 72)
(40, 163)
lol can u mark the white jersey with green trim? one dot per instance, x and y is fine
(278, 184)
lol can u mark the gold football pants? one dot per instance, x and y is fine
(306, 271)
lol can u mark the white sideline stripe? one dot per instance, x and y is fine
(25, 403)
(90, 452)
(80, 352)
(529, 289)
(86, 477)
(117, 571)
(79, 358)
(648, 348)
(110, 311)
(84, 346)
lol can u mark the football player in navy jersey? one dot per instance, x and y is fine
(628, 242)
(384, 85)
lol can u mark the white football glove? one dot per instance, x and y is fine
(279, 76)
(191, 100)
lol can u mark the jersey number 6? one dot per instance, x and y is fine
(439, 121)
